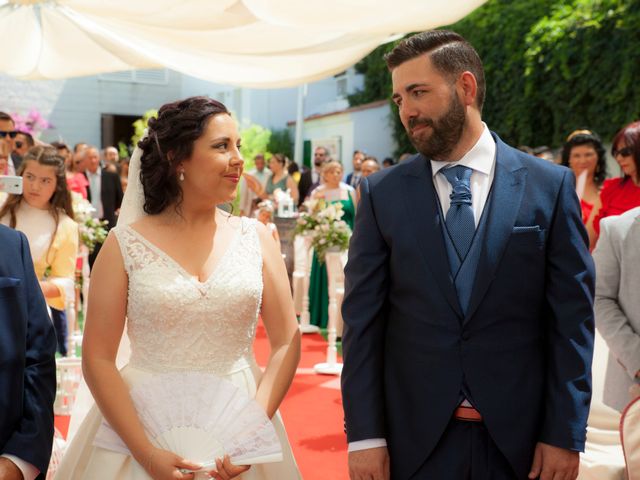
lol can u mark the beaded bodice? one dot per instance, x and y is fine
(176, 322)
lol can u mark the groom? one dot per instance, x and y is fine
(468, 309)
(27, 364)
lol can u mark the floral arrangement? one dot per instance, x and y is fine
(33, 123)
(92, 231)
(323, 222)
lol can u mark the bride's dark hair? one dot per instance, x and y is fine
(170, 141)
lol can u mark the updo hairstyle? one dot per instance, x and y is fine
(170, 141)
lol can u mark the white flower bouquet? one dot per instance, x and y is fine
(92, 231)
(323, 222)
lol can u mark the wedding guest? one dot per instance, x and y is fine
(278, 180)
(248, 198)
(332, 190)
(355, 176)
(64, 152)
(111, 155)
(621, 194)
(27, 356)
(617, 305)
(4, 166)
(9, 133)
(294, 171)
(264, 214)
(104, 193)
(388, 162)
(23, 142)
(468, 316)
(43, 212)
(370, 166)
(74, 172)
(310, 179)
(584, 154)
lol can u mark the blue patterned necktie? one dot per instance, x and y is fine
(460, 221)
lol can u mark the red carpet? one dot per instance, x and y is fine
(312, 413)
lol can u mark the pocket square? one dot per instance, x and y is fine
(532, 228)
(7, 282)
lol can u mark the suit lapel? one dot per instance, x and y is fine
(425, 220)
(507, 189)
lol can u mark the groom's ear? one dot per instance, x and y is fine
(469, 88)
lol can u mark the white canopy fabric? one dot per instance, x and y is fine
(250, 43)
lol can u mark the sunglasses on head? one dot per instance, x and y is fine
(625, 152)
(11, 134)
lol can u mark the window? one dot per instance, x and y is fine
(146, 77)
(341, 86)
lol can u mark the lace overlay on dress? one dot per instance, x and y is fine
(217, 334)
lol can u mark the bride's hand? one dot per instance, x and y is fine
(164, 465)
(226, 470)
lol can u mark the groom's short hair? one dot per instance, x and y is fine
(449, 52)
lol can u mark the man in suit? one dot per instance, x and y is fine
(9, 133)
(354, 177)
(310, 179)
(104, 192)
(617, 306)
(468, 309)
(27, 356)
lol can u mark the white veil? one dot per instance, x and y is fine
(132, 209)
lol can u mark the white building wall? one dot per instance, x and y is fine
(373, 133)
(74, 106)
(340, 127)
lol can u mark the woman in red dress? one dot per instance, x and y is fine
(621, 194)
(584, 153)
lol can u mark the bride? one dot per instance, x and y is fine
(191, 281)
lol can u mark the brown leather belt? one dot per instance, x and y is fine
(467, 414)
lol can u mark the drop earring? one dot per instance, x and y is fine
(181, 177)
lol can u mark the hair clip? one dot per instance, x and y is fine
(579, 132)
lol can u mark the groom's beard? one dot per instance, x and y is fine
(445, 134)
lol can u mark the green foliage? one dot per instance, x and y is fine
(551, 66)
(377, 86)
(280, 142)
(254, 140)
(123, 150)
(140, 125)
(376, 77)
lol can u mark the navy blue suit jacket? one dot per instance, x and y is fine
(525, 346)
(27, 356)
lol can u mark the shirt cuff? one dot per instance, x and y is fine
(366, 444)
(29, 472)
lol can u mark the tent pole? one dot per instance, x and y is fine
(299, 142)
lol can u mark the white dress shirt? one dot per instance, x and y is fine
(482, 160)
(29, 472)
(95, 184)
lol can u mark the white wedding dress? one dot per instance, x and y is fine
(176, 323)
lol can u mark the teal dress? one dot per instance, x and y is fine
(281, 184)
(318, 280)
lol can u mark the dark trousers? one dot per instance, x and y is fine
(465, 452)
(59, 318)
